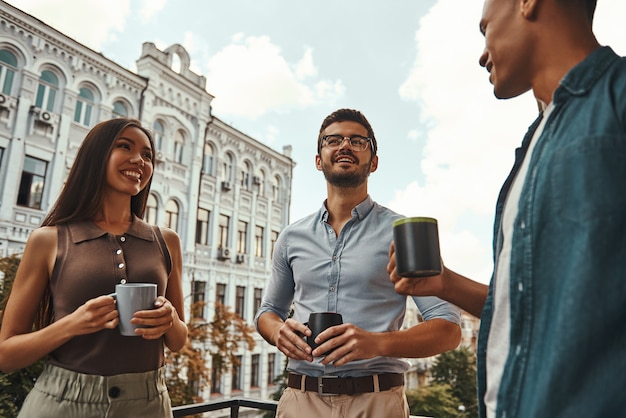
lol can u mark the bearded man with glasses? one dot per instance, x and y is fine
(335, 260)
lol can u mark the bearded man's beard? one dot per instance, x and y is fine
(346, 179)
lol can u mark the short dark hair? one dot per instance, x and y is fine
(588, 5)
(343, 115)
(591, 8)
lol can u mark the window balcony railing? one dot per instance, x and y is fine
(234, 405)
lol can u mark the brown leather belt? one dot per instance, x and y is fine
(331, 385)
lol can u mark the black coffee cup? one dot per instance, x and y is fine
(417, 247)
(320, 321)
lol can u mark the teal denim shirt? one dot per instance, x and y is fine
(567, 353)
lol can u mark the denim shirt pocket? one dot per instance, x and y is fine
(585, 178)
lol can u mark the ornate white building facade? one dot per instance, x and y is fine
(225, 193)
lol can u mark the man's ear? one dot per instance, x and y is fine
(318, 162)
(529, 8)
(374, 164)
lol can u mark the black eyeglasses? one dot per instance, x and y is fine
(357, 142)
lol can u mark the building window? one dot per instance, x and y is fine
(158, 131)
(179, 145)
(261, 183)
(258, 297)
(240, 301)
(198, 297)
(32, 183)
(207, 160)
(242, 237)
(227, 168)
(259, 231)
(273, 239)
(202, 227)
(151, 210)
(246, 176)
(120, 110)
(216, 378)
(220, 293)
(254, 370)
(47, 90)
(84, 107)
(276, 188)
(8, 67)
(271, 368)
(223, 231)
(171, 215)
(237, 373)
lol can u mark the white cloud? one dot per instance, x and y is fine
(250, 77)
(150, 8)
(89, 22)
(305, 67)
(470, 135)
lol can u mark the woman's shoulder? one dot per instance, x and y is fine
(43, 235)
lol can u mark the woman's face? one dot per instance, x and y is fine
(130, 166)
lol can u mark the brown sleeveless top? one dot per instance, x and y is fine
(89, 263)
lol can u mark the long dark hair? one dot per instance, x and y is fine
(81, 197)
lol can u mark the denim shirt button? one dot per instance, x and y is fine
(520, 287)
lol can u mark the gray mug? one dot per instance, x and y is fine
(133, 297)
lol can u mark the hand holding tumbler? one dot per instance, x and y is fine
(417, 247)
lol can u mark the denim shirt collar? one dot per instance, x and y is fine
(580, 79)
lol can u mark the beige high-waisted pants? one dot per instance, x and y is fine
(65, 394)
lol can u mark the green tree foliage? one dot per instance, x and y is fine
(14, 386)
(457, 368)
(219, 339)
(435, 400)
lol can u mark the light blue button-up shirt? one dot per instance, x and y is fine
(320, 271)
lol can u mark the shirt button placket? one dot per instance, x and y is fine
(121, 262)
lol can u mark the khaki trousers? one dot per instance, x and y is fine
(65, 394)
(391, 403)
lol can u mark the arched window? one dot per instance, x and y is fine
(207, 160)
(276, 188)
(158, 132)
(152, 207)
(246, 175)
(84, 106)
(120, 110)
(8, 67)
(171, 215)
(47, 90)
(227, 168)
(179, 146)
(261, 183)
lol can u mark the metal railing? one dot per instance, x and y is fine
(234, 405)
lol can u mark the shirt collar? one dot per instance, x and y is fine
(580, 79)
(87, 230)
(360, 211)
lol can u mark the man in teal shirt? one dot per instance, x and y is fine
(551, 342)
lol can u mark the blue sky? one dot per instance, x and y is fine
(278, 67)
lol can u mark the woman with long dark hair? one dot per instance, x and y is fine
(60, 305)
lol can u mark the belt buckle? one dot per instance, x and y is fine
(320, 386)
